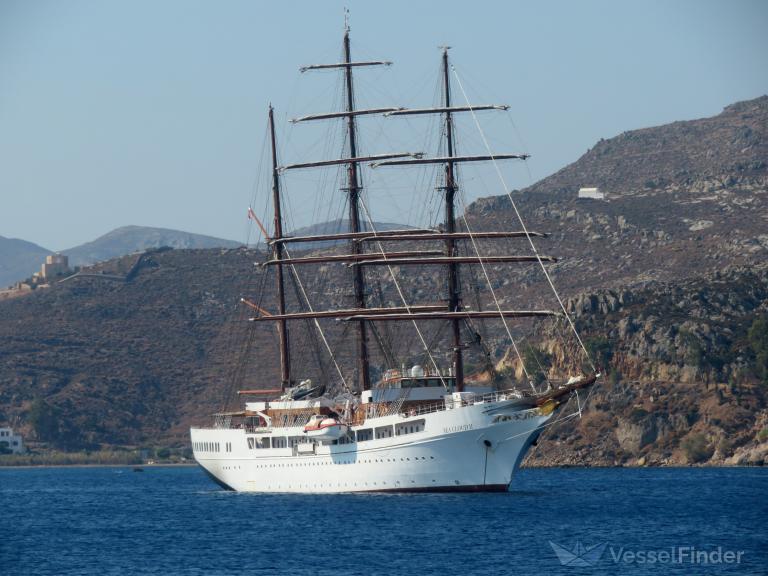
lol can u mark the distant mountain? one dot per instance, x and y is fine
(19, 259)
(129, 239)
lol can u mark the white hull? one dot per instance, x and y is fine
(470, 447)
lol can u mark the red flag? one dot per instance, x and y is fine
(252, 216)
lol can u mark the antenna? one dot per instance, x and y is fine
(346, 19)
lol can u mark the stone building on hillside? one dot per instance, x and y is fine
(54, 265)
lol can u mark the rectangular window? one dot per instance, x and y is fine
(383, 432)
(364, 435)
(296, 440)
(409, 427)
(279, 442)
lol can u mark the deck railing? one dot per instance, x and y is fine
(467, 399)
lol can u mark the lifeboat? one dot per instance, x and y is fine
(323, 428)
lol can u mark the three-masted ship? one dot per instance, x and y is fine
(421, 428)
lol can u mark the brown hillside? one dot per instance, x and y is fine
(138, 361)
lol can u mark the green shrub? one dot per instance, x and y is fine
(697, 448)
(758, 342)
(537, 363)
(600, 350)
(638, 414)
(694, 351)
(44, 420)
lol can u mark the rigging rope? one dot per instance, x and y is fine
(400, 291)
(490, 287)
(317, 324)
(520, 219)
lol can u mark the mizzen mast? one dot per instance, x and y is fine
(454, 290)
(277, 255)
(451, 235)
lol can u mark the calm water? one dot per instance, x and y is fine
(174, 521)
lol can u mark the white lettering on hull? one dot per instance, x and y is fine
(457, 428)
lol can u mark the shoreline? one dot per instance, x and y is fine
(160, 465)
(555, 466)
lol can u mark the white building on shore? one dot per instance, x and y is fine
(11, 441)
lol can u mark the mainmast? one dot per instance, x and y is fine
(353, 189)
(277, 254)
(454, 291)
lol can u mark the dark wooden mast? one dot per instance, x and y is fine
(360, 315)
(353, 189)
(454, 290)
(277, 254)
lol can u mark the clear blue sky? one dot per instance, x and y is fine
(153, 112)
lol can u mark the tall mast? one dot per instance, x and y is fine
(353, 188)
(277, 254)
(454, 297)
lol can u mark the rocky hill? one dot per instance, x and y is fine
(682, 199)
(132, 360)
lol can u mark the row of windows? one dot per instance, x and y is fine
(363, 435)
(208, 446)
(409, 427)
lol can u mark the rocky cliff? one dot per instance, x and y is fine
(685, 369)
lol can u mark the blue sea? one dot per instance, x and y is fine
(169, 521)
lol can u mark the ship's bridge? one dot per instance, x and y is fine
(416, 384)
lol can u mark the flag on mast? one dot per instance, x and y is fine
(252, 216)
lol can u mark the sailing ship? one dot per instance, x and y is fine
(421, 428)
